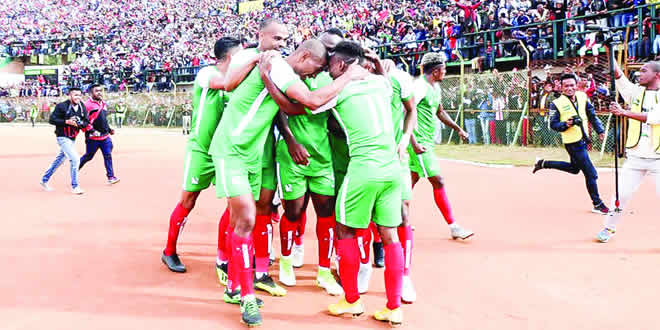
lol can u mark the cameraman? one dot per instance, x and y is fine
(570, 113)
(69, 117)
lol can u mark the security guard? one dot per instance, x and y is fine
(120, 113)
(643, 138)
(570, 113)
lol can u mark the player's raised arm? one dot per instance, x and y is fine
(236, 75)
(314, 100)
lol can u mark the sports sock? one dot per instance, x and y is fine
(177, 222)
(232, 273)
(363, 237)
(241, 255)
(260, 235)
(442, 202)
(393, 274)
(347, 250)
(325, 233)
(406, 238)
(223, 226)
(374, 232)
(300, 229)
(287, 233)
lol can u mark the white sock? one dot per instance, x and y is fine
(220, 262)
(453, 225)
(261, 274)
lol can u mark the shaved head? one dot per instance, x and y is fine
(314, 47)
(330, 40)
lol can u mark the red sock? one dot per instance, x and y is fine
(374, 232)
(393, 274)
(363, 237)
(232, 275)
(287, 233)
(406, 238)
(442, 202)
(223, 226)
(177, 222)
(300, 230)
(260, 235)
(241, 255)
(325, 233)
(347, 250)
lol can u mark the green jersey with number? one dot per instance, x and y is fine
(208, 105)
(363, 110)
(249, 116)
(402, 86)
(427, 99)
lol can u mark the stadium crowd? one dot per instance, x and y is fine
(135, 42)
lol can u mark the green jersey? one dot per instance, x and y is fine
(208, 105)
(311, 130)
(427, 100)
(402, 86)
(363, 112)
(249, 116)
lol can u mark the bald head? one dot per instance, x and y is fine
(649, 75)
(313, 47)
(654, 65)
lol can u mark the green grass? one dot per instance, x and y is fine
(517, 156)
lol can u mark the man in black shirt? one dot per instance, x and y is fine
(69, 117)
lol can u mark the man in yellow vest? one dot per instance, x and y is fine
(643, 138)
(570, 113)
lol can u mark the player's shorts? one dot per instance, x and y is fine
(234, 179)
(269, 178)
(295, 182)
(361, 201)
(198, 171)
(424, 164)
(406, 181)
(340, 159)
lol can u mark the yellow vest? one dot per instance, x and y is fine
(567, 111)
(635, 126)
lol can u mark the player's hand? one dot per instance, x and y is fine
(265, 62)
(463, 134)
(371, 55)
(616, 109)
(569, 123)
(112, 132)
(602, 136)
(356, 72)
(388, 65)
(71, 122)
(418, 148)
(298, 153)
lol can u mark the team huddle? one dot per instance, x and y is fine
(330, 123)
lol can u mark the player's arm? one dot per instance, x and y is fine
(280, 99)
(297, 151)
(313, 100)
(446, 119)
(236, 75)
(409, 122)
(373, 57)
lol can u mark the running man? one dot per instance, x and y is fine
(99, 138)
(208, 106)
(643, 141)
(423, 162)
(371, 190)
(572, 113)
(238, 144)
(305, 168)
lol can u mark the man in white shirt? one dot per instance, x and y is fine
(643, 138)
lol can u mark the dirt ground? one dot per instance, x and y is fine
(93, 261)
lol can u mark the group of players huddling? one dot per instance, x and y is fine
(331, 123)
